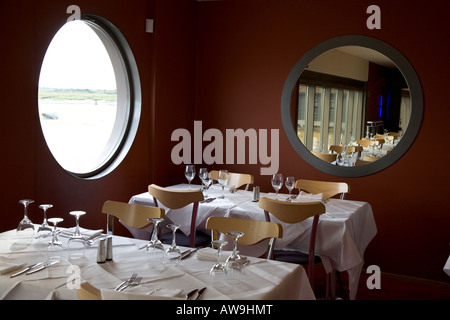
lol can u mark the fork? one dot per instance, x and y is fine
(131, 280)
(132, 284)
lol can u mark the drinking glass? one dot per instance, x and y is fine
(77, 242)
(189, 173)
(218, 272)
(55, 247)
(155, 249)
(290, 184)
(235, 263)
(223, 180)
(44, 226)
(206, 178)
(25, 227)
(173, 253)
(277, 183)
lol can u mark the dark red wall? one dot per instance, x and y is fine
(225, 63)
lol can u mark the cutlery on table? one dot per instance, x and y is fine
(208, 200)
(43, 267)
(26, 269)
(135, 283)
(130, 280)
(190, 294)
(199, 293)
(186, 254)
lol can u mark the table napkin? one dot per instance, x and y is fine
(7, 266)
(310, 196)
(210, 254)
(142, 293)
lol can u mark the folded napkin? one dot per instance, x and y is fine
(310, 196)
(142, 293)
(210, 254)
(6, 266)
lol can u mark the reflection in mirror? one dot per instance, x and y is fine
(352, 102)
(325, 104)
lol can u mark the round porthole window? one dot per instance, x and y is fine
(89, 97)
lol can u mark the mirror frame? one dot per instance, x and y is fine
(416, 105)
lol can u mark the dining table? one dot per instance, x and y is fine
(161, 278)
(343, 233)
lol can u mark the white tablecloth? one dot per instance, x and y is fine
(263, 279)
(343, 233)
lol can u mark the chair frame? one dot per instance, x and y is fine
(327, 188)
(176, 199)
(236, 179)
(132, 215)
(254, 231)
(295, 212)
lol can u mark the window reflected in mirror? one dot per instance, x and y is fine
(353, 102)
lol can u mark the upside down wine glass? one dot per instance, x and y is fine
(235, 263)
(44, 226)
(77, 242)
(26, 224)
(218, 271)
(155, 248)
(173, 253)
(54, 248)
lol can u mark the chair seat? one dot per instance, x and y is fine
(201, 239)
(293, 257)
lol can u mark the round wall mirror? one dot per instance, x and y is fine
(352, 106)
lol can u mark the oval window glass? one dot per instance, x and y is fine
(84, 98)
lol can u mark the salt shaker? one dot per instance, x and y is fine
(109, 251)
(255, 194)
(101, 251)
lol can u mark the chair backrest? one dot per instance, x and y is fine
(336, 148)
(354, 149)
(235, 179)
(370, 158)
(363, 142)
(254, 231)
(132, 215)
(327, 188)
(174, 199)
(295, 212)
(327, 157)
(177, 199)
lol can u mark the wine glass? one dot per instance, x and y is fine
(173, 253)
(290, 183)
(277, 183)
(218, 272)
(77, 242)
(223, 180)
(55, 247)
(44, 227)
(26, 224)
(235, 263)
(206, 178)
(155, 248)
(189, 173)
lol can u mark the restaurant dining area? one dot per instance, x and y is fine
(245, 154)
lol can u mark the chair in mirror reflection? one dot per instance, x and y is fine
(327, 157)
(134, 217)
(177, 199)
(296, 212)
(236, 180)
(329, 189)
(254, 231)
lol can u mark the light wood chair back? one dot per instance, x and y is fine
(336, 148)
(370, 158)
(132, 215)
(177, 199)
(295, 212)
(235, 179)
(327, 157)
(363, 142)
(327, 188)
(354, 149)
(254, 231)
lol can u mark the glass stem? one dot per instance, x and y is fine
(173, 238)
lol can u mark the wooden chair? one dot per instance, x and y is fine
(132, 215)
(370, 158)
(327, 157)
(327, 188)
(235, 179)
(337, 149)
(363, 142)
(254, 231)
(355, 149)
(177, 199)
(88, 292)
(296, 212)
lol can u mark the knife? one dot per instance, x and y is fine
(26, 269)
(190, 294)
(43, 267)
(200, 292)
(187, 253)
